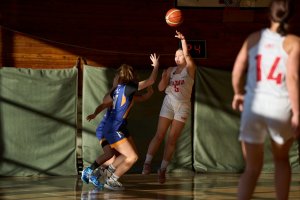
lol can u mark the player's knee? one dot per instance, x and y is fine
(133, 158)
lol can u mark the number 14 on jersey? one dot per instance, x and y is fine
(271, 75)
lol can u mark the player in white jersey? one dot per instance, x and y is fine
(270, 102)
(178, 84)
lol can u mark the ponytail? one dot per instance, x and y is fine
(283, 28)
(280, 12)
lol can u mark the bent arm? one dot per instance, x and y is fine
(106, 102)
(164, 80)
(190, 64)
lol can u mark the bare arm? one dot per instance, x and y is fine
(292, 47)
(164, 79)
(106, 102)
(153, 75)
(239, 69)
(145, 96)
(238, 72)
(190, 64)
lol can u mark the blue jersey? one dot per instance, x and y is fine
(117, 119)
(99, 130)
(122, 99)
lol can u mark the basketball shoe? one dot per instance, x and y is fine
(107, 173)
(113, 184)
(85, 175)
(146, 169)
(94, 179)
(161, 175)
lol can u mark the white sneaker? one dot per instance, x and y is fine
(106, 173)
(146, 169)
(112, 184)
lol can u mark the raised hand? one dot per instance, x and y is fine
(154, 59)
(179, 35)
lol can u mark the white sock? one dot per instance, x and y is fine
(111, 168)
(148, 158)
(164, 164)
(115, 177)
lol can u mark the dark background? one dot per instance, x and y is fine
(54, 33)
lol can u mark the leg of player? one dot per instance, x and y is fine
(282, 168)
(175, 131)
(254, 162)
(89, 174)
(162, 128)
(129, 157)
(111, 165)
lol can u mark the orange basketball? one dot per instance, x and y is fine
(174, 17)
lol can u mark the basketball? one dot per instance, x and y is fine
(174, 17)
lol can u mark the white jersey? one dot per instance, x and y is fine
(180, 86)
(267, 108)
(267, 66)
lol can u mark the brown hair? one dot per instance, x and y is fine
(280, 11)
(126, 74)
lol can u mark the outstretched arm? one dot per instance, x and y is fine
(106, 102)
(153, 75)
(190, 64)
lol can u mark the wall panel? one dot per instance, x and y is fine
(109, 33)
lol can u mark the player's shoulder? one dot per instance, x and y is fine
(171, 69)
(253, 39)
(291, 43)
(292, 38)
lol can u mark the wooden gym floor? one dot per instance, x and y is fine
(209, 186)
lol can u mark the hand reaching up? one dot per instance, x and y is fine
(154, 59)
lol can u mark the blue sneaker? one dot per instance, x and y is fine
(96, 182)
(86, 173)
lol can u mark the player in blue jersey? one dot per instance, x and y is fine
(106, 159)
(114, 128)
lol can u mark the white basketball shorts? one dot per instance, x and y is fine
(173, 109)
(265, 115)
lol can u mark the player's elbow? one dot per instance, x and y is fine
(161, 87)
(150, 82)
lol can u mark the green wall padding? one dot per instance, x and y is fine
(216, 127)
(142, 121)
(96, 83)
(38, 112)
